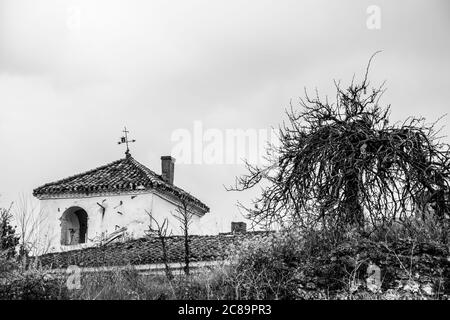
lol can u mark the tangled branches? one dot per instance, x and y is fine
(343, 163)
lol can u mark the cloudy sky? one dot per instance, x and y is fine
(73, 73)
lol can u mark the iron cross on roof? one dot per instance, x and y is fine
(124, 139)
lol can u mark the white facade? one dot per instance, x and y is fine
(107, 213)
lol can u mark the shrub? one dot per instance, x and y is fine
(32, 285)
(313, 265)
(125, 284)
(8, 237)
(19, 281)
(424, 230)
(265, 267)
(6, 264)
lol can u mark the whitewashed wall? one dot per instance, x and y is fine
(125, 210)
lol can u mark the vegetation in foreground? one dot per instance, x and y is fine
(286, 265)
(363, 207)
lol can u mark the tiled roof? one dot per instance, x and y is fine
(122, 175)
(148, 251)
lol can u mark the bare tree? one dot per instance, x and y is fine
(161, 231)
(343, 163)
(30, 222)
(184, 215)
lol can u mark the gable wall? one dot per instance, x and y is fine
(125, 210)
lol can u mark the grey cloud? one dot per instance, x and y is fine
(66, 92)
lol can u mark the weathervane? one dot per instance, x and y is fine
(125, 140)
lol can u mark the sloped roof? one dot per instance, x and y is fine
(125, 174)
(148, 250)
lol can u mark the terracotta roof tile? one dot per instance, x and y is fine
(125, 174)
(148, 251)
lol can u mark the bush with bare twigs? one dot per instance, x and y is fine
(344, 163)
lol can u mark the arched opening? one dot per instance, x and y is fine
(74, 226)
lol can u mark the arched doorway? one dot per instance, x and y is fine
(74, 226)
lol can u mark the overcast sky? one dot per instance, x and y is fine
(73, 73)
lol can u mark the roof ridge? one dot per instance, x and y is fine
(182, 193)
(142, 168)
(80, 174)
(123, 174)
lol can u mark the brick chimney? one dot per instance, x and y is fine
(168, 168)
(238, 227)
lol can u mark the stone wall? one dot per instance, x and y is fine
(398, 270)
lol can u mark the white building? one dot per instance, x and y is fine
(114, 199)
